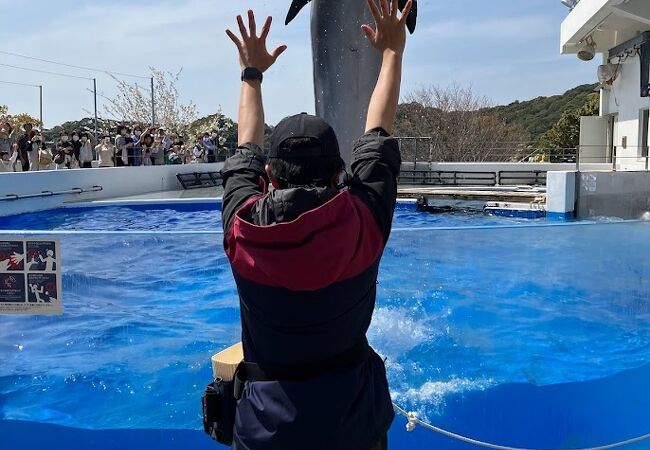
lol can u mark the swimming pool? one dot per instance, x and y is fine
(530, 336)
(205, 216)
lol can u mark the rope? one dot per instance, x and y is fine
(413, 421)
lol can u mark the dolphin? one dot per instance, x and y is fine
(345, 64)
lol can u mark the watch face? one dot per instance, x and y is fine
(251, 73)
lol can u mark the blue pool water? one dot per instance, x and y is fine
(533, 336)
(205, 216)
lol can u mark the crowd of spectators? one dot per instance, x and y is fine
(137, 146)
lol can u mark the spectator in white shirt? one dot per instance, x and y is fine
(7, 162)
(105, 152)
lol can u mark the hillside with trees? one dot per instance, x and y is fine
(538, 115)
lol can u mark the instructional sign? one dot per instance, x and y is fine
(30, 276)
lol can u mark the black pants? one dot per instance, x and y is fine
(381, 445)
(86, 165)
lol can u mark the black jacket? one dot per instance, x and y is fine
(305, 262)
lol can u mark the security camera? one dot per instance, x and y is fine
(570, 3)
(587, 50)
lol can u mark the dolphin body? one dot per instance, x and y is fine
(346, 66)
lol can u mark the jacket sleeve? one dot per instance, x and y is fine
(243, 177)
(376, 162)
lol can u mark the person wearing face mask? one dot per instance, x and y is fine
(135, 154)
(147, 143)
(64, 141)
(7, 162)
(32, 154)
(209, 147)
(86, 152)
(76, 144)
(122, 147)
(105, 152)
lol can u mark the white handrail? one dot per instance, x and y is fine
(9, 197)
(413, 420)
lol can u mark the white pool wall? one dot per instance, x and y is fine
(116, 182)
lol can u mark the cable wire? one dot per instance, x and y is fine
(91, 69)
(19, 84)
(46, 72)
(413, 421)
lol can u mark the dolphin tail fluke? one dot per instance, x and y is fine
(295, 8)
(412, 19)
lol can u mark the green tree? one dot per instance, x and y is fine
(18, 120)
(564, 135)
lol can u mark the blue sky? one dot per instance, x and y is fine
(505, 50)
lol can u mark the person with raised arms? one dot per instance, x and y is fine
(305, 252)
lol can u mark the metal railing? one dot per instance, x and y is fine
(12, 197)
(422, 151)
(465, 178)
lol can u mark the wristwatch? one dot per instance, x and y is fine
(251, 73)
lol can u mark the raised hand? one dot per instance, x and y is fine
(390, 32)
(252, 48)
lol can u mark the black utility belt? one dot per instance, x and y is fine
(220, 397)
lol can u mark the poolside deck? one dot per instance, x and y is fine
(492, 194)
(509, 194)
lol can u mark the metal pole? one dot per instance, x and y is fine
(40, 89)
(153, 106)
(415, 154)
(95, 95)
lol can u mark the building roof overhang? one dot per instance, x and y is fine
(608, 22)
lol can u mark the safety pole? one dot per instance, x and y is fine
(153, 106)
(95, 96)
(40, 116)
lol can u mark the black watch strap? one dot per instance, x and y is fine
(251, 73)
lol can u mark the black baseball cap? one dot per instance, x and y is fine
(303, 126)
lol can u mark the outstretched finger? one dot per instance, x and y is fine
(234, 38)
(252, 26)
(406, 11)
(369, 32)
(242, 28)
(385, 9)
(266, 28)
(393, 8)
(278, 51)
(374, 9)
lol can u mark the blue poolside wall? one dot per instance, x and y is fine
(546, 417)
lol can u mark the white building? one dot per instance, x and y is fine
(620, 31)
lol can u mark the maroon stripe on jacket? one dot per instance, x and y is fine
(334, 242)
